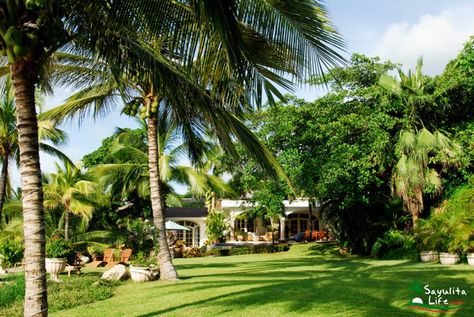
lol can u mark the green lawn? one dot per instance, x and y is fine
(306, 281)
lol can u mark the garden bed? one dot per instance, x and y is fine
(73, 291)
(231, 249)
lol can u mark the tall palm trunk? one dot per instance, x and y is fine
(24, 77)
(167, 270)
(3, 184)
(414, 204)
(66, 225)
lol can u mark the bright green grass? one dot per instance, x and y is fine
(306, 281)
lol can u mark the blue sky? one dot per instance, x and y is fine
(400, 30)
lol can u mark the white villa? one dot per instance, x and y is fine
(298, 218)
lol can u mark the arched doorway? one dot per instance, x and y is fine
(299, 222)
(191, 237)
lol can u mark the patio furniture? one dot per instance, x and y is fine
(124, 258)
(76, 266)
(323, 235)
(314, 234)
(299, 237)
(108, 257)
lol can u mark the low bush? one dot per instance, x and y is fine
(191, 252)
(74, 291)
(141, 259)
(216, 227)
(58, 247)
(250, 249)
(11, 252)
(395, 244)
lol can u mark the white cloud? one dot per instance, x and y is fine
(438, 38)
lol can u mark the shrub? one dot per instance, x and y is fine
(251, 249)
(395, 244)
(461, 203)
(95, 248)
(142, 260)
(11, 252)
(73, 292)
(216, 227)
(191, 252)
(462, 200)
(58, 248)
(450, 230)
(178, 247)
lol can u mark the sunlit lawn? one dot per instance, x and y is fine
(306, 281)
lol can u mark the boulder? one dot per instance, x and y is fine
(118, 273)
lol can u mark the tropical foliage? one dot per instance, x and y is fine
(50, 137)
(70, 190)
(362, 142)
(413, 176)
(216, 227)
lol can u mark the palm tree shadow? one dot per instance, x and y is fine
(346, 287)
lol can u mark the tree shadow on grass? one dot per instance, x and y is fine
(313, 286)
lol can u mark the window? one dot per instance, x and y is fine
(245, 225)
(191, 237)
(298, 222)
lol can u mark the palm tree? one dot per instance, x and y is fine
(9, 149)
(34, 30)
(190, 116)
(131, 171)
(413, 174)
(70, 189)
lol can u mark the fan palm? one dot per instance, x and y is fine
(412, 175)
(70, 190)
(34, 30)
(9, 149)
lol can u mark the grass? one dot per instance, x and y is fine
(72, 292)
(308, 280)
(11, 290)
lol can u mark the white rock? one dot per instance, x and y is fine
(118, 273)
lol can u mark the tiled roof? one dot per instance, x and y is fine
(185, 212)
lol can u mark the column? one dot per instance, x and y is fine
(258, 223)
(232, 227)
(282, 228)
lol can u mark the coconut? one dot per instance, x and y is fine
(30, 4)
(20, 50)
(13, 36)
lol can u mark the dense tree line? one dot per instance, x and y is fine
(344, 151)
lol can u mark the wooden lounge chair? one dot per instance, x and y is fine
(323, 235)
(314, 235)
(108, 257)
(124, 258)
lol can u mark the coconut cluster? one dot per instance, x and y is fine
(19, 39)
(135, 106)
